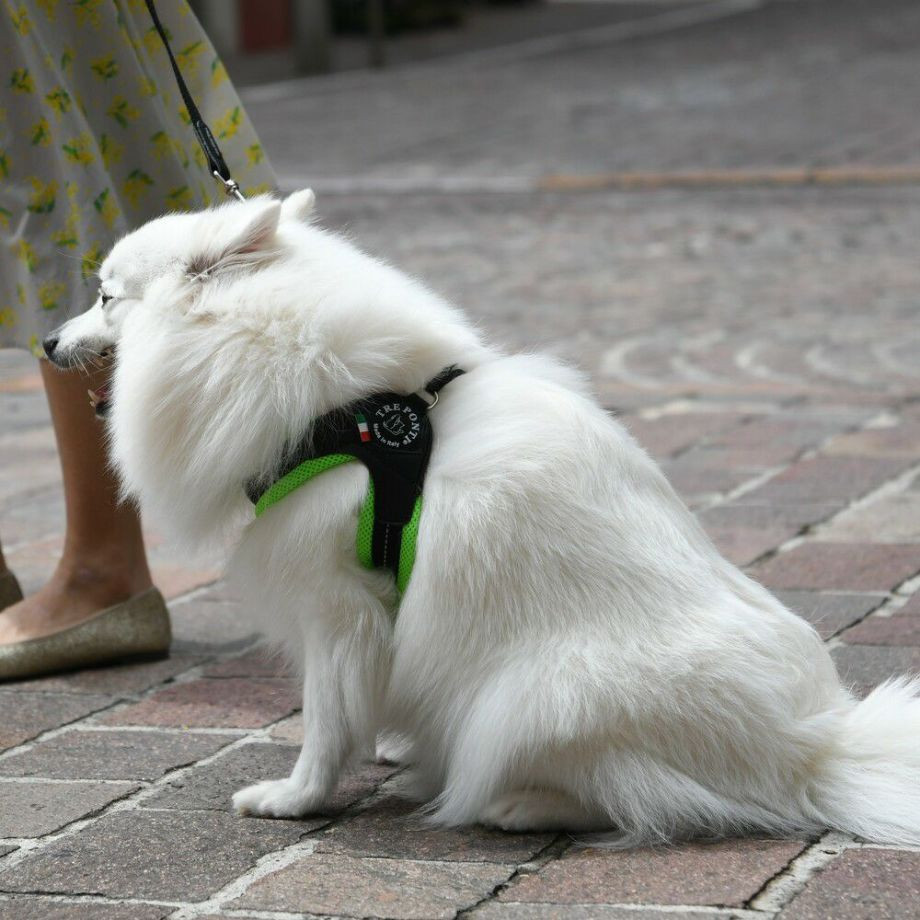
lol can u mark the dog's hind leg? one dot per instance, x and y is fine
(344, 673)
(540, 810)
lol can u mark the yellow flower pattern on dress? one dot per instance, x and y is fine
(90, 261)
(41, 133)
(106, 67)
(123, 112)
(43, 197)
(50, 293)
(19, 17)
(48, 7)
(94, 140)
(21, 80)
(87, 12)
(59, 100)
(79, 149)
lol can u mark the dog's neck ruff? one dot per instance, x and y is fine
(391, 435)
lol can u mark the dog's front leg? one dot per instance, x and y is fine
(344, 673)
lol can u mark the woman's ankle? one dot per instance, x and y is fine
(109, 577)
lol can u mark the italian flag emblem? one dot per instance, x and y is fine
(363, 430)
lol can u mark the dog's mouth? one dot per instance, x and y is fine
(100, 399)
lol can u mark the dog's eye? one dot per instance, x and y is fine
(105, 297)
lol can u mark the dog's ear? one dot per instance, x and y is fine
(244, 233)
(254, 231)
(299, 205)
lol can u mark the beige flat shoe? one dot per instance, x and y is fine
(10, 592)
(137, 628)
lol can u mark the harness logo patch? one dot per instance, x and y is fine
(396, 425)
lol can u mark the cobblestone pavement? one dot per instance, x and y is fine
(761, 343)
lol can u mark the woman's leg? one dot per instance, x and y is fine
(103, 561)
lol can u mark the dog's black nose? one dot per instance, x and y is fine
(50, 343)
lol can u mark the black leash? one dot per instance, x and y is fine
(215, 158)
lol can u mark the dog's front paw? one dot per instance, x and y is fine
(275, 798)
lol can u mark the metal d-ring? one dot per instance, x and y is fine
(434, 401)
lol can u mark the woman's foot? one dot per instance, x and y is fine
(74, 594)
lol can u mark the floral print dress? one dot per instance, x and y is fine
(95, 140)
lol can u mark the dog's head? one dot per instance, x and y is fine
(180, 253)
(182, 302)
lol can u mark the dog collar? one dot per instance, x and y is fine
(391, 435)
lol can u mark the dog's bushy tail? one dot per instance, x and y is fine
(870, 784)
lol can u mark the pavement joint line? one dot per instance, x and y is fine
(248, 914)
(51, 733)
(789, 882)
(552, 851)
(58, 781)
(159, 729)
(264, 866)
(893, 486)
(573, 40)
(58, 898)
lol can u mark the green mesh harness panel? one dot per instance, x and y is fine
(308, 470)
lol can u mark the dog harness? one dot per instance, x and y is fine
(391, 435)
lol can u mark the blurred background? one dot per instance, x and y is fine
(713, 196)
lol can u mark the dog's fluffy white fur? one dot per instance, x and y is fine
(571, 652)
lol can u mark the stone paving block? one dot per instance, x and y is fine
(209, 623)
(224, 703)
(890, 519)
(742, 545)
(726, 873)
(387, 888)
(902, 440)
(22, 410)
(746, 515)
(830, 612)
(119, 681)
(912, 606)
(898, 630)
(36, 809)
(6, 848)
(500, 910)
(674, 431)
(704, 473)
(391, 828)
(786, 434)
(34, 562)
(151, 854)
(26, 715)
(862, 885)
(19, 908)
(862, 667)
(828, 479)
(33, 517)
(211, 786)
(289, 730)
(840, 566)
(144, 755)
(259, 663)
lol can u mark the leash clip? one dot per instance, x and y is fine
(231, 187)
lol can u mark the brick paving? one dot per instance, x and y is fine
(761, 343)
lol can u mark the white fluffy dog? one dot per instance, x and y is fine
(571, 651)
